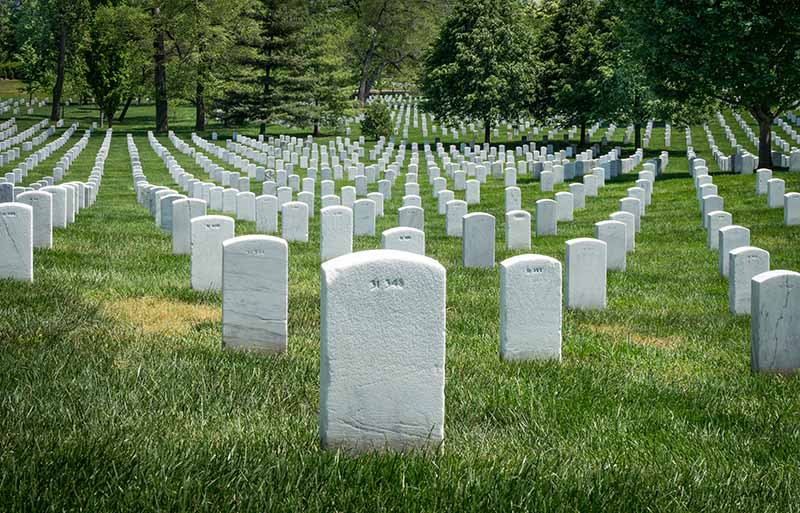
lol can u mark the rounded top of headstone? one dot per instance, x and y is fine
(531, 259)
(479, 215)
(585, 241)
(611, 222)
(256, 240)
(398, 230)
(778, 274)
(212, 219)
(734, 228)
(546, 201)
(384, 257)
(335, 210)
(753, 250)
(14, 206)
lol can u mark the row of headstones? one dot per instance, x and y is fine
(9, 146)
(772, 298)
(34, 159)
(28, 221)
(8, 128)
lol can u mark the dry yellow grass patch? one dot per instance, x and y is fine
(623, 333)
(161, 315)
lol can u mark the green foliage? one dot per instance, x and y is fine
(480, 66)
(377, 122)
(577, 67)
(108, 70)
(33, 67)
(739, 52)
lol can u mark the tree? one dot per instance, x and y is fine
(377, 122)
(270, 82)
(388, 34)
(480, 66)
(33, 68)
(572, 45)
(741, 53)
(108, 66)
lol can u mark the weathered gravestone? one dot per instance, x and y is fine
(530, 308)
(614, 234)
(715, 221)
(546, 220)
(477, 243)
(775, 322)
(387, 391)
(16, 241)
(743, 264)
(208, 233)
(403, 238)
(776, 188)
(364, 217)
(791, 209)
(58, 203)
(585, 263)
(42, 205)
(412, 217)
(183, 211)
(267, 214)
(294, 221)
(255, 274)
(336, 232)
(730, 238)
(518, 230)
(564, 206)
(630, 228)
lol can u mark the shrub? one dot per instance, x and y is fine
(376, 122)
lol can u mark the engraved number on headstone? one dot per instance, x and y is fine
(386, 283)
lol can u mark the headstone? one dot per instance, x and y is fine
(386, 391)
(716, 220)
(6, 192)
(564, 206)
(775, 322)
(546, 181)
(294, 221)
(578, 195)
(590, 186)
(267, 214)
(762, 177)
(614, 234)
(166, 210)
(477, 243)
(530, 308)
(403, 238)
(59, 204)
(16, 241)
(364, 217)
(336, 232)
(791, 209)
(456, 209)
(255, 275)
(630, 228)
(546, 217)
(513, 198)
(41, 204)
(744, 264)
(633, 206)
(518, 230)
(730, 238)
(585, 263)
(208, 234)
(473, 192)
(246, 206)
(776, 188)
(183, 211)
(710, 204)
(411, 217)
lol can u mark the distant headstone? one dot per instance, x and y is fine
(41, 204)
(716, 220)
(614, 234)
(267, 214)
(546, 223)
(183, 211)
(456, 209)
(412, 217)
(294, 221)
(744, 264)
(477, 243)
(518, 230)
(776, 188)
(730, 238)
(791, 209)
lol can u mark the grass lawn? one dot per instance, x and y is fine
(115, 395)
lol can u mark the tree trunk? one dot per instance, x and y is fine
(110, 120)
(125, 108)
(159, 61)
(262, 128)
(764, 139)
(58, 88)
(316, 130)
(200, 107)
(637, 140)
(583, 133)
(487, 131)
(364, 82)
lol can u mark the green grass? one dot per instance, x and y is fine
(115, 395)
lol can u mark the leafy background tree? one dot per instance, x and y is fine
(739, 53)
(481, 65)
